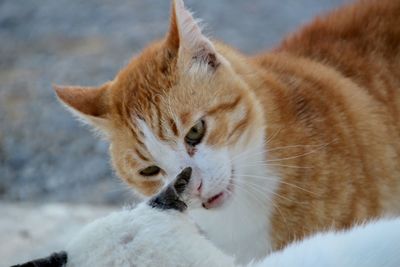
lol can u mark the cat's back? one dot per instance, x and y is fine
(361, 41)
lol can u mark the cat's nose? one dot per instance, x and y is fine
(197, 181)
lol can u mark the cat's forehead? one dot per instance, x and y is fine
(169, 100)
(151, 73)
(142, 92)
(151, 86)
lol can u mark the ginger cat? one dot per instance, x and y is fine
(282, 145)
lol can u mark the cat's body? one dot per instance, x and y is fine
(282, 145)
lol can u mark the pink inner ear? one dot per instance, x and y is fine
(190, 34)
(173, 34)
(185, 33)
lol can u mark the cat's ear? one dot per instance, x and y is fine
(90, 104)
(185, 35)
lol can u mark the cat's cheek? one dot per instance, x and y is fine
(214, 169)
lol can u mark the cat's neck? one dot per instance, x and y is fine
(242, 228)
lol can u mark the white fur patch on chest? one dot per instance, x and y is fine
(242, 228)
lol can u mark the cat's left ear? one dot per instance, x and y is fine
(185, 35)
(89, 104)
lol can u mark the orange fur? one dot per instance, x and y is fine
(330, 96)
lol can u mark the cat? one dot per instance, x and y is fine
(282, 144)
(135, 237)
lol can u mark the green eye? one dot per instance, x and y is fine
(150, 171)
(196, 133)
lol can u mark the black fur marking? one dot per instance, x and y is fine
(182, 180)
(58, 259)
(170, 197)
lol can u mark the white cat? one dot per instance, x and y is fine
(137, 238)
(160, 233)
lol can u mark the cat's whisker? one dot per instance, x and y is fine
(247, 152)
(293, 146)
(281, 148)
(256, 186)
(245, 187)
(244, 153)
(279, 165)
(246, 204)
(250, 191)
(283, 182)
(281, 214)
(253, 197)
(298, 156)
(268, 140)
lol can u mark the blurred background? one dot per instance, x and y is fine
(54, 175)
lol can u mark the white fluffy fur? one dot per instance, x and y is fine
(145, 236)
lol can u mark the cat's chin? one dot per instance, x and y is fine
(221, 198)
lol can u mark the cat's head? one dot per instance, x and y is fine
(180, 103)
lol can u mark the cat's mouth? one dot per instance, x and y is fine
(219, 199)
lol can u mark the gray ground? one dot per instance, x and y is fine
(47, 156)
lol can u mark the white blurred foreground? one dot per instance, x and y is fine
(29, 232)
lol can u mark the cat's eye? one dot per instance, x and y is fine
(196, 133)
(150, 171)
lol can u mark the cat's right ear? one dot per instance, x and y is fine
(185, 36)
(89, 104)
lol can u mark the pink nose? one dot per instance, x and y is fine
(197, 181)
